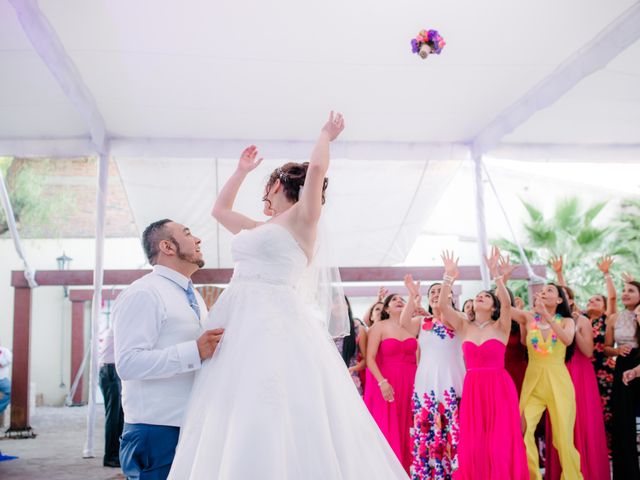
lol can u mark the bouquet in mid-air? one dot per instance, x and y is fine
(427, 42)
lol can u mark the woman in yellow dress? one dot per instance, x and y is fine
(547, 384)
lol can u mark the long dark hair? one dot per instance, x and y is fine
(495, 315)
(515, 326)
(428, 292)
(385, 304)
(371, 311)
(349, 342)
(453, 304)
(464, 304)
(564, 310)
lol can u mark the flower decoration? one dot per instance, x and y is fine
(537, 341)
(426, 42)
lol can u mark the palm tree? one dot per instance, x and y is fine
(627, 242)
(569, 232)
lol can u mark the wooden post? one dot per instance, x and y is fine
(21, 375)
(77, 347)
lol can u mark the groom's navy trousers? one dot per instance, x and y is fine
(147, 451)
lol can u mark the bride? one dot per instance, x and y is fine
(276, 401)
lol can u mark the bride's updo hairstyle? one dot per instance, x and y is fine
(292, 176)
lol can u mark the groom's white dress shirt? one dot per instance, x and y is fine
(155, 333)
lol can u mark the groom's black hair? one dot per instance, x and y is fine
(152, 236)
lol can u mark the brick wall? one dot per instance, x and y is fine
(71, 185)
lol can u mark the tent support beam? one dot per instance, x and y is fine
(48, 46)
(595, 55)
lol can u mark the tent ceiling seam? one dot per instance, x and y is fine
(593, 56)
(48, 46)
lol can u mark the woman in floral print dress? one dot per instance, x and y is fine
(437, 391)
(598, 309)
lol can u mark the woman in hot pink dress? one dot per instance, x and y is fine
(391, 368)
(491, 444)
(589, 433)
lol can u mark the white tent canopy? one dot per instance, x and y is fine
(153, 80)
(166, 76)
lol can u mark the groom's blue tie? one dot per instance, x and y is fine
(193, 302)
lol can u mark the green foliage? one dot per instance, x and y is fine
(31, 210)
(569, 232)
(627, 237)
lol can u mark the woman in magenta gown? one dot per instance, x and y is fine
(391, 368)
(491, 444)
(589, 433)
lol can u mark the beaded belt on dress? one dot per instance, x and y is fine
(262, 278)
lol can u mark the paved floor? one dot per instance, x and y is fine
(56, 453)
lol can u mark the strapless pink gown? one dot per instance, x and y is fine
(396, 360)
(491, 444)
(589, 434)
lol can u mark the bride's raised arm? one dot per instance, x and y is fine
(223, 206)
(311, 198)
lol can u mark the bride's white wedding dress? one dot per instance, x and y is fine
(276, 400)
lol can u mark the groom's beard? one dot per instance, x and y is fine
(187, 258)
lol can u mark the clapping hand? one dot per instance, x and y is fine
(540, 308)
(249, 159)
(334, 126)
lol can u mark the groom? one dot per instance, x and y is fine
(159, 344)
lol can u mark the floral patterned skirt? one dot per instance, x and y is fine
(435, 435)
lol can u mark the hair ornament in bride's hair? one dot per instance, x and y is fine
(284, 177)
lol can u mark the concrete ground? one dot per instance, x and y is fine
(56, 452)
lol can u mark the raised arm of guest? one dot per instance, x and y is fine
(500, 267)
(456, 320)
(408, 318)
(612, 297)
(557, 264)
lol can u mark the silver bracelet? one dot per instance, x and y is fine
(448, 279)
(384, 380)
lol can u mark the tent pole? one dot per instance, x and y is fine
(96, 307)
(480, 221)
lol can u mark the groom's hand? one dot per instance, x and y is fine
(208, 342)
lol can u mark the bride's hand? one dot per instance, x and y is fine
(334, 126)
(248, 160)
